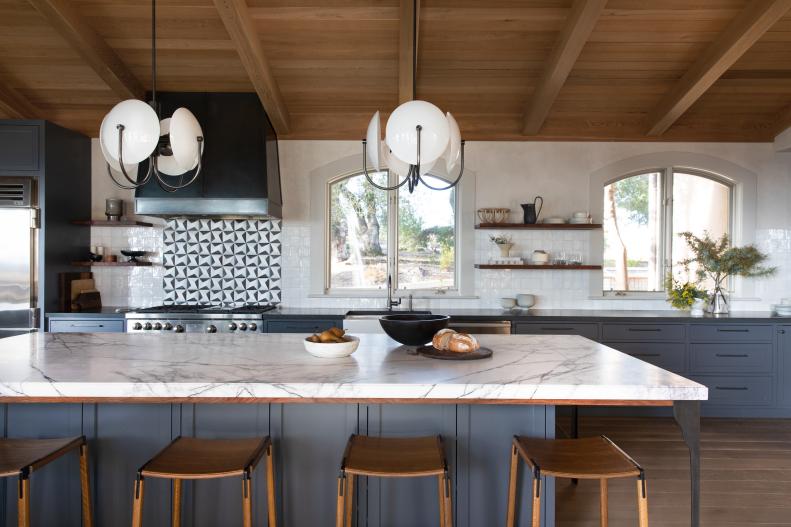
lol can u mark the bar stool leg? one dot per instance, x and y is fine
(341, 505)
(176, 515)
(441, 497)
(247, 501)
(603, 505)
(509, 522)
(536, 498)
(85, 487)
(642, 502)
(137, 505)
(271, 506)
(448, 502)
(23, 501)
(349, 499)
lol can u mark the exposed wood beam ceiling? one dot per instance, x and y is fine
(581, 21)
(407, 49)
(322, 67)
(748, 26)
(237, 20)
(70, 24)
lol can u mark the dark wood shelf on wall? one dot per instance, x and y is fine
(110, 223)
(547, 267)
(111, 264)
(542, 226)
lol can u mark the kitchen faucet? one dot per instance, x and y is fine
(390, 302)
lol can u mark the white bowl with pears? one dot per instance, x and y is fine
(333, 343)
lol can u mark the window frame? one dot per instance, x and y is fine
(666, 175)
(392, 240)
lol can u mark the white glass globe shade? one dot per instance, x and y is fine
(141, 130)
(131, 169)
(184, 133)
(401, 135)
(401, 168)
(453, 153)
(373, 139)
(167, 164)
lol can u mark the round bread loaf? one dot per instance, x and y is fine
(442, 338)
(463, 343)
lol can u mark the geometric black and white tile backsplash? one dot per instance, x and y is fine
(221, 261)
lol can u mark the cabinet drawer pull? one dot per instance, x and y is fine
(646, 355)
(645, 330)
(732, 355)
(732, 388)
(721, 330)
(557, 329)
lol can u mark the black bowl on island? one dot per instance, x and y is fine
(413, 329)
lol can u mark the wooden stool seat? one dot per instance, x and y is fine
(193, 458)
(393, 457)
(586, 458)
(20, 457)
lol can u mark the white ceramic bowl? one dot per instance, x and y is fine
(332, 350)
(508, 303)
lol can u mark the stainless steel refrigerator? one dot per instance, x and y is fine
(18, 256)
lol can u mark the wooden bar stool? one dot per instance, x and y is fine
(193, 458)
(21, 457)
(587, 458)
(390, 457)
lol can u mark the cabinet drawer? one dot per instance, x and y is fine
(739, 391)
(668, 356)
(86, 326)
(729, 333)
(590, 331)
(300, 326)
(731, 358)
(643, 332)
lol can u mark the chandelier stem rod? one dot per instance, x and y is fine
(154, 54)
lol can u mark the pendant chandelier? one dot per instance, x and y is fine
(133, 132)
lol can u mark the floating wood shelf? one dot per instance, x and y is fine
(111, 264)
(542, 226)
(109, 223)
(547, 267)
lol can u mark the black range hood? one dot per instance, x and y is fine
(241, 169)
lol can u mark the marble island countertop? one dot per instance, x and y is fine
(120, 367)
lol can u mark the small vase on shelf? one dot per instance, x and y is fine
(505, 249)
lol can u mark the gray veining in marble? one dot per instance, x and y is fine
(276, 366)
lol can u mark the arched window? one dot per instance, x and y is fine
(374, 234)
(643, 216)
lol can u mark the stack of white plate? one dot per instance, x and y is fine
(555, 220)
(783, 310)
(580, 221)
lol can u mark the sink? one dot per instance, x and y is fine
(381, 312)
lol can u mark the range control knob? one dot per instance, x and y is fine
(168, 326)
(157, 326)
(242, 326)
(232, 326)
(147, 326)
(137, 326)
(211, 328)
(179, 328)
(253, 326)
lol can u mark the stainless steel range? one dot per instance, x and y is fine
(198, 318)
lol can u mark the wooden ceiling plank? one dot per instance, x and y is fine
(407, 49)
(14, 105)
(782, 122)
(70, 24)
(748, 26)
(236, 17)
(580, 23)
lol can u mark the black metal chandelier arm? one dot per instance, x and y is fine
(368, 177)
(118, 183)
(456, 181)
(173, 188)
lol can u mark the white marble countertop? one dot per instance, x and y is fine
(528, 369)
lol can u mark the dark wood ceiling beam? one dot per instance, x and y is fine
(238, 22)
(579, 25)
(407, 49)
(748, 26)
(72, 26)
(14, 105)
(783, 121)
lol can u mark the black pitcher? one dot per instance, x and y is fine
(531, 214)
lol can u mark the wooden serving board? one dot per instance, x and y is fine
(434, 353)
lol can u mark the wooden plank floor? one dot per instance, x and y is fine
(746, 474)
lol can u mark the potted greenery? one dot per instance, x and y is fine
(685, 295)
(717, 260)
(503, 243)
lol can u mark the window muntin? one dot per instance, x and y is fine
(367, 225)
(643, 214)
